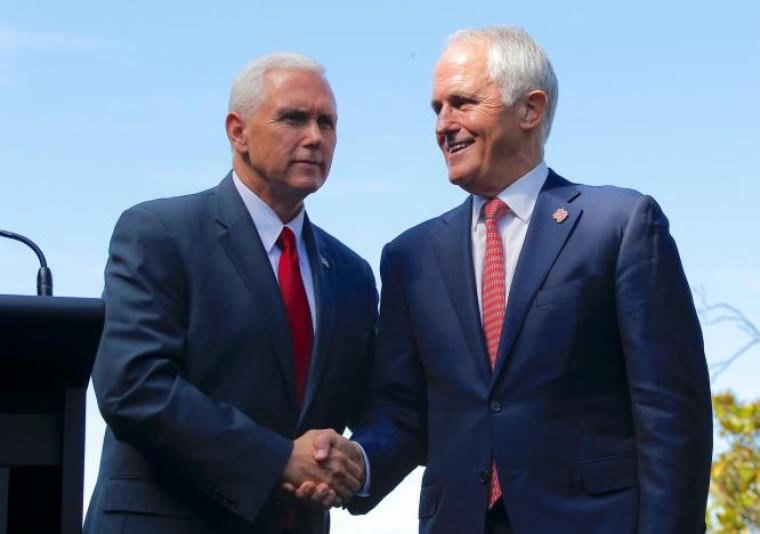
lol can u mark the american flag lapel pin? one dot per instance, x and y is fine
(560, 215)
(325, 263)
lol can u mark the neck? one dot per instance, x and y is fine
(518, 167)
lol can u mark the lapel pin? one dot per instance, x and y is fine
(559, 216)
(325, 263)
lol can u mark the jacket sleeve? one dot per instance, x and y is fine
(363, 381)
(138, 377)
(393, 431)
(667, 375)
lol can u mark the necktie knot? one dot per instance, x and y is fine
(287, 239)
(494, 209)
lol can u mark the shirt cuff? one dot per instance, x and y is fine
(364, 491)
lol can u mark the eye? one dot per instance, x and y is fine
(436, 107)
(294, 117)
(461, 102)
(326, 122)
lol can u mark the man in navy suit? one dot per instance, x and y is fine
(234, 326)
(538, 348)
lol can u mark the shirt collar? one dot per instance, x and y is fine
(267, 222)
(520, 196)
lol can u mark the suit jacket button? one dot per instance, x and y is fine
(484, 477)
(495, 406)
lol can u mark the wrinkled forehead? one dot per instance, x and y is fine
(305, 85)
(461, 64)
(464, 55)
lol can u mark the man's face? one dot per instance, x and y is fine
(290, 138)
(478, 135)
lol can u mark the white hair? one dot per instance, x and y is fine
(249, 88)
(517, 64)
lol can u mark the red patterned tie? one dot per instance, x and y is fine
(494, 299)
(296, 306)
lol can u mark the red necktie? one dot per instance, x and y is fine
(494, 299)
(297, 308)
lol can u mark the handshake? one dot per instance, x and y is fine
(324, 468)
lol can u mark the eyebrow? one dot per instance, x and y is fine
(290, 109)
(304, 111)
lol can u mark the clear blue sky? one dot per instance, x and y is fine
(105, 104)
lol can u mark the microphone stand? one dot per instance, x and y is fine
(44, 276)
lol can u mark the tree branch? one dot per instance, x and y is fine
(721, 312)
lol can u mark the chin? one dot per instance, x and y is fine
(463, 181)
(309, 185)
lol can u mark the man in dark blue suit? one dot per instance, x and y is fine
(234, 326)
(538, 348)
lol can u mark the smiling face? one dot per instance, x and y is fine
(285, 147)
(479, 135)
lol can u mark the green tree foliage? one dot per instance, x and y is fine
(735, 484)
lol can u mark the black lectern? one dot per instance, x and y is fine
(47, 346)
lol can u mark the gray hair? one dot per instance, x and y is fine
(249, 87)
(517, 64)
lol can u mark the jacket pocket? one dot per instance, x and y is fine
(573, 289)
(428, 501)
(140, 496)
(609, 474)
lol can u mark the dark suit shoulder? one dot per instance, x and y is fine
(181, 219)
(178, 208)
(610, 193)
(421, 232)
(611, 203)
(560, 186)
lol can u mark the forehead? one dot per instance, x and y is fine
(461, 67)
(298, 89)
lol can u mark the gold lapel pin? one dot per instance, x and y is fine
(325, 263)
(560, 215)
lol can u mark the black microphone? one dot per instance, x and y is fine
(44, 276)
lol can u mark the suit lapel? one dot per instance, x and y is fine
(324, 298)
(240, 239)
(543, 242)
(453, 248)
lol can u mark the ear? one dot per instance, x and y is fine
(235, 125)
(532, 110)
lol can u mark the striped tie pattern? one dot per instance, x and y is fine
(494, 299)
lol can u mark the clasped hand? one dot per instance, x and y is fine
(324, 468)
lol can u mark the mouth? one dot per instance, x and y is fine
(307, 162)
(453, 148)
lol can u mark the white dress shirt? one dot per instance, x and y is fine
(269, 226)
(520, 198)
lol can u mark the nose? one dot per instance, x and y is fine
(313, 134)
(445, 122)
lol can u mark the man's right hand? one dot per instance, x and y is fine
(324, 467)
